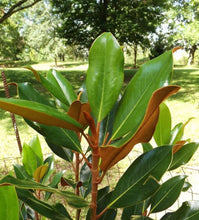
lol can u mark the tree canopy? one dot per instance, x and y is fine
(130, 21)
(10, 7)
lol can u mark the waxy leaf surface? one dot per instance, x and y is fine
(112, 154)
(167, 194)
(105, 74)
(132, 108)
(183, 156)
(188, 211)
(141, 179)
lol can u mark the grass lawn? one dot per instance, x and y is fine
(183, 105)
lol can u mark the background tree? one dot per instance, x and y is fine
(10, 7)
(11, 42)
(185, 15)
(130, 21)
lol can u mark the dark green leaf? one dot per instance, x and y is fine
(105, 74)
(163, 127)
(49, 172)
(20, 172)
(59, 87)
(151, 76)
(27, 92)
(61, 137)
(71, 198)
(137, 209)
(167, 194)
(139, 181)
(188, 211)
(62, 152)
(9, 206)
(55, 181)
(183, 155)
(53, 212)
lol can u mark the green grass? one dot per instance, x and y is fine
(183, 105)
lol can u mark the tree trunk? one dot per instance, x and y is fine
(192, 54)
(135, 49)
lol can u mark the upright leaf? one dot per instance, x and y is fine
(132, 108)
(35, 145)
(163, 127)
(105, 74)
(29, 159)
(9, 206)
(59, 87)
(139, 181)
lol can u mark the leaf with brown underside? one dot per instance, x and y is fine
(178, 145)
(40, 113)
(110, 155)
(76, 111)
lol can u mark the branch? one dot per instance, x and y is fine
(17, 7)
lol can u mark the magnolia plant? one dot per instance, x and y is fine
(95, 129)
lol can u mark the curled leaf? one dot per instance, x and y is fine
(110, 155)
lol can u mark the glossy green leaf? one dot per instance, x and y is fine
(140, 179)
(61, 152)
(152, 75)
(54, 183)
(9, 206)
(177, 133)
(57, 138)
(105, 74)
(188, 211)
(27, 92)
(39, 113)
(20, 172)
(36, 147)
(59, 87)
(163, 127)
(72, 199)
(137, 209)
(167, 194)
(183, 155)
(50, 161)
(29, 159)
(43, 208)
